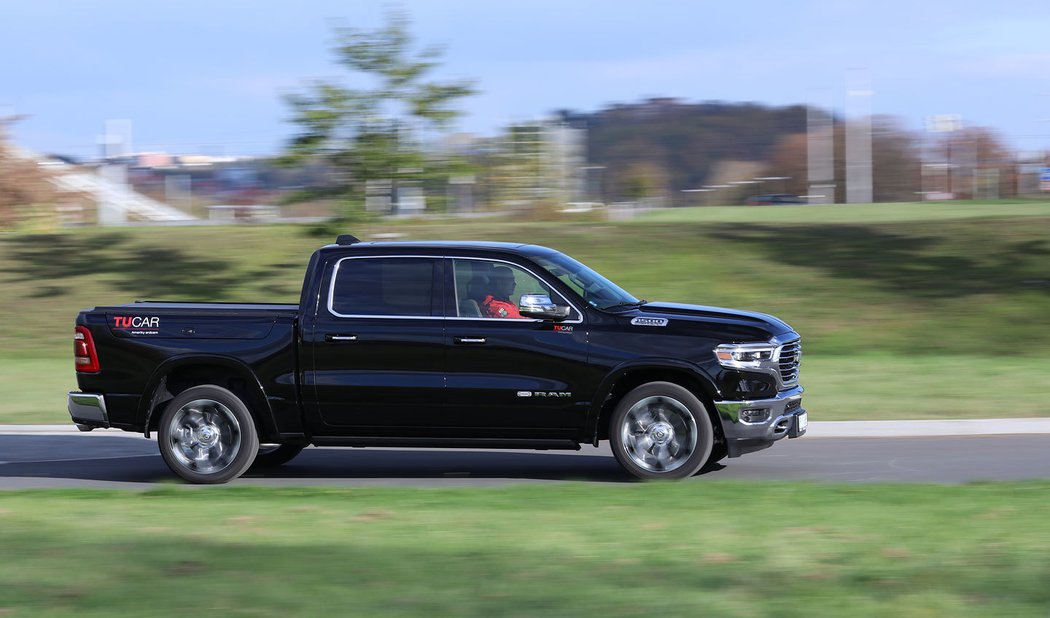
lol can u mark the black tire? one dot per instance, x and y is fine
(273, 455)
(661, 430)
(207, 435)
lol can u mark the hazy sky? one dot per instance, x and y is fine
(206, 76)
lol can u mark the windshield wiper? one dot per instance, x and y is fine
(638, 303)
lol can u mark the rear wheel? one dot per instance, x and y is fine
(660, 430)
(273, 455)
(207, 435)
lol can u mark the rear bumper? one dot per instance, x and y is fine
(770, 420)
(87, 410)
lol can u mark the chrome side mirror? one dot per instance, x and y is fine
(542, 307)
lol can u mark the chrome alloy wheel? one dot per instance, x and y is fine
(659, 434)
(205, 436)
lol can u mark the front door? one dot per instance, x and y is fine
(510, 376)
(375, 355)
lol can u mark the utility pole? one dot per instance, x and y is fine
(858, 137)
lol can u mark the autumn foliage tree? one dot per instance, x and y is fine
(23, 183)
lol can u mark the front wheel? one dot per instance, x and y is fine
(661, 430)
(207, 435)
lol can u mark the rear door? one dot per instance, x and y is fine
(375, 354)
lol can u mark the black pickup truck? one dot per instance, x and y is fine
(440, 344)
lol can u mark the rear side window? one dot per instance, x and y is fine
(385, 287)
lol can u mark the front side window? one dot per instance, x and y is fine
(400, 287)
(488, 289)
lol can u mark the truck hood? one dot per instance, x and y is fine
(740, 325)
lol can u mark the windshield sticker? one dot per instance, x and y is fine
(649, 321)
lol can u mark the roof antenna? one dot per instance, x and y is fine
(347, 239)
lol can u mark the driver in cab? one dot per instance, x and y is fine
(497, 304)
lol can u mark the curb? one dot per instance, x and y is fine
(60, 430)
(953, 427)
(817, 429)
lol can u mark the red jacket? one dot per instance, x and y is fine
(493, 308)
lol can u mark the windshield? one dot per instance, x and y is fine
(598, 291)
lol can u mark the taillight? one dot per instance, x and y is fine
(84, 351)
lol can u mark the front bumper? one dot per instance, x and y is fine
(770, 420)
(87, 410)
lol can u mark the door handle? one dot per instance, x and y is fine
(474, 340)
(340, 338)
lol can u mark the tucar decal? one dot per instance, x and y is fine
(137, 325)
(123, 321)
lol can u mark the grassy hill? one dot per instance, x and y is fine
(907, 310)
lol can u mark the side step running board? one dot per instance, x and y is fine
(513, 443)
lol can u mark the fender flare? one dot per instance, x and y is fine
(607, 384)
(264, 417)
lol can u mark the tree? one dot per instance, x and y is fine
(896, 161)
(373, 130)
(977, 156)
(23, 183)
(644, 179)
(789, 162)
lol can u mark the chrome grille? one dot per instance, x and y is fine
(789, 360)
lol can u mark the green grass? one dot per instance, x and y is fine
(883, 387)
(907, 310)
(34, 389)
(728, 549)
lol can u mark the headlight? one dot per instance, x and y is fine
(744, 355)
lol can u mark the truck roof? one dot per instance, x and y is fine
(521, 248)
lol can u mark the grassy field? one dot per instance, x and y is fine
(727, 549)
(907, 310)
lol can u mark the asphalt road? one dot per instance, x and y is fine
(130, 462)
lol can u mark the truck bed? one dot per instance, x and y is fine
(162, 319)
(223, 308)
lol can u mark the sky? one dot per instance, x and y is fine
(208, 77)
